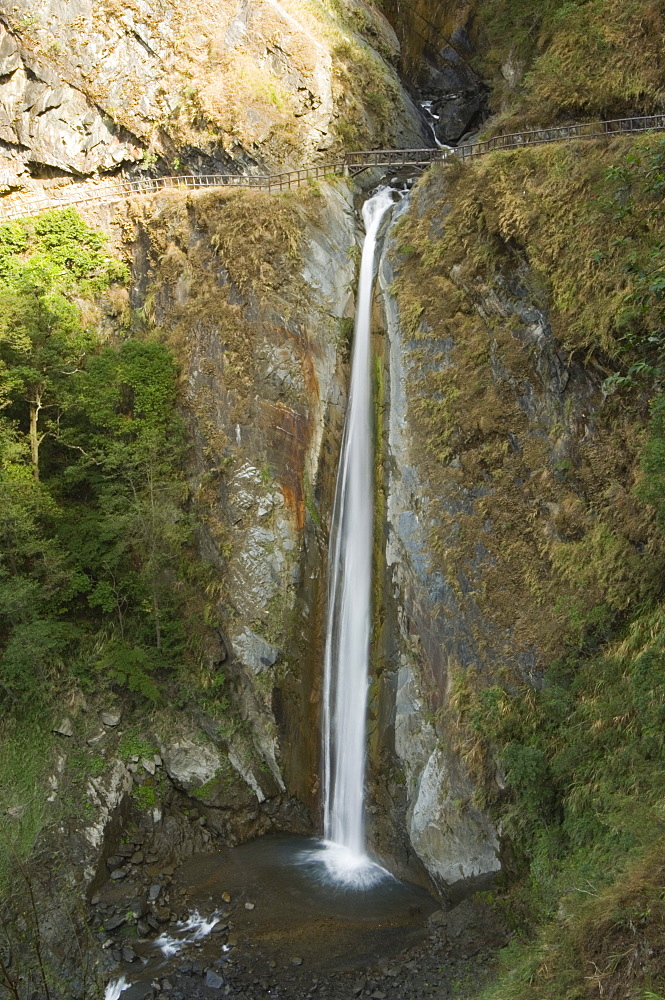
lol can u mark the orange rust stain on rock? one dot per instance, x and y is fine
(288, 433)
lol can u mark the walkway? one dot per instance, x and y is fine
(108, 192)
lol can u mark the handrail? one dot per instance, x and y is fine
(108, 192)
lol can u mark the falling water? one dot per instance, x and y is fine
(349, 592)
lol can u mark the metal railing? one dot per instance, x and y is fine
(108, 192)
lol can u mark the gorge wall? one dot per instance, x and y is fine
(516, 692)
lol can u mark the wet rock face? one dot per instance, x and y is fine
(455, 94)
(437, 45)
(439, 626)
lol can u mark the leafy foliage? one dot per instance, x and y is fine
(93, 528)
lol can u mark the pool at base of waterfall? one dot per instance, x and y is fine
(280, 902)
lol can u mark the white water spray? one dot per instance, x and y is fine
(349, 594)
(115, 989)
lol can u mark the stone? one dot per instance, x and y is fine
(65, 727)
(296, 961)
(163, 914)
(118, 874)
(115, 922)
(455, 844)
(96, 737)
(213, 981)
(249, 906)
(137, 859)
(110, 719)
(143, 928)
(15, 812)
(226, 897)
(190, 764)
(149, 765)
(128, 954)
(254, 652)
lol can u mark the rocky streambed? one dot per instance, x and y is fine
(279, 930)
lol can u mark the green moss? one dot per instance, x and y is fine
(572, 561)
(134, 744)
(25, 759)
(146, 796)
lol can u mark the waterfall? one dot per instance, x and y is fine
(349, 591)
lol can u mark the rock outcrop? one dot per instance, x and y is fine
(88, 89)
(254, 293)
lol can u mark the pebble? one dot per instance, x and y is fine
(226, 897)
(128, 954)
(154, 892)
(118, 874)
(114, 923)
(110, 719)
(213, 981)
(296, 961)
(249, 906)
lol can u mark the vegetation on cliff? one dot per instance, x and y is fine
(545, 61)
(546, 460)
(579, 60)
(93, 525)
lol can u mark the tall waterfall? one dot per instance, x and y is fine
(349, 589)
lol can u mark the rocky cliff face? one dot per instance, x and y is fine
(88, 88)
(512, 526)
(252, 291)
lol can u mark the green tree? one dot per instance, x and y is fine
(44, 267)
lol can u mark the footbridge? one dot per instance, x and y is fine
(107, 192)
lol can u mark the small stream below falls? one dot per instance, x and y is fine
(258, 921)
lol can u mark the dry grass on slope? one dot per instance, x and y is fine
(537, 522)
(572, 60)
